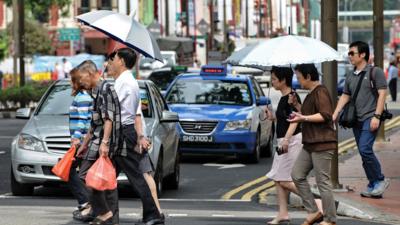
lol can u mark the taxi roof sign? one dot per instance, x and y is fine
(213, 71)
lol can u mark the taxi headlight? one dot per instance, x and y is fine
(28, 142)
(238, 124)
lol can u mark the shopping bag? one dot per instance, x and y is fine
(102, 176)
(63, 167)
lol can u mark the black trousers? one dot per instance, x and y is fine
(393, 88)
(104, 201)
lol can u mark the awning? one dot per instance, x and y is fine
(94, 34)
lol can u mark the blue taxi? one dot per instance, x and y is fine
(221, 113)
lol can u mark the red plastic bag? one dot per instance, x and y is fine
(102, 176)
(63, 167)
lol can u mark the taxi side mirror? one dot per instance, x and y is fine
(263, 101)
(23, 113)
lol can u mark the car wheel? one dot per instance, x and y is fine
(158, 177)
(172, 181)
(19, 189)
(254, 157)
(268, 149)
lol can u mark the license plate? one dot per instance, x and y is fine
(197, 138)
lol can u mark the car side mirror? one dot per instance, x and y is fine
(263, 101)
(23, 113)
(169, 117)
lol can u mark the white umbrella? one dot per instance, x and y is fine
(285, 50)
(125, 29)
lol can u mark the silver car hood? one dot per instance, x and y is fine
(43, 126)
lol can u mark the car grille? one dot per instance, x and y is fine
(58, 144)
(196, 127)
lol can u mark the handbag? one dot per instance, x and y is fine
(348, 115)
(63, 167)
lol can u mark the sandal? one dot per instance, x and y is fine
(316, 219)
(279, 222)
(84, 218)
(98, 221)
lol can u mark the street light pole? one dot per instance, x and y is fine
(21, 42)
(378, 49)
(329, 69)
(15, 41)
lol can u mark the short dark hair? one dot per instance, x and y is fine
(127, 55)
(308, 70)
(362, 47)
(283, 73)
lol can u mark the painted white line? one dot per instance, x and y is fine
(223, 215)
(2, 152)
(6, 137)
(224, 166)
(133, 214)
(177, 214)
(202, 200)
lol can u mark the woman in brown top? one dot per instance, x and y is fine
(319, 144)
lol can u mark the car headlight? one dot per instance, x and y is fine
(28, 142)
(238, 124)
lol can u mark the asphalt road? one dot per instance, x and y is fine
(204, 180)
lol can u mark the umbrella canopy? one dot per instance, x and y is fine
(124, 29)
(285, 50)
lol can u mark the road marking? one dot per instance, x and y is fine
(262, 196)
(225, 166)
(201, 200)
(177, 214)
(231, 193)
(2, 152)
(6, 137)
(251, 193)
(222, 216)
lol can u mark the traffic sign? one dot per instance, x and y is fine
(69, 34)
(203, 26)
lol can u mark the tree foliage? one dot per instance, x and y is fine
(37, 39)
(3, 45)
(40, 8)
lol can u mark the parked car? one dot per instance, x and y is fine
(45, 138)
(221, 113)
(163, 77)
(147, 65)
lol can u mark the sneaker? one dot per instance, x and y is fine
(367, 193)
(379, 188)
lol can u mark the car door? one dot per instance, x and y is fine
(264, 123)
(165, 130)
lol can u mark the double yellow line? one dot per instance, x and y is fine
(263, 186)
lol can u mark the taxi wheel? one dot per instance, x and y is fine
(256, 154)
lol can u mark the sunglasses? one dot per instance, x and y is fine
(351, 53)
(111, 56)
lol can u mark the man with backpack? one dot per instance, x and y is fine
(367, 87)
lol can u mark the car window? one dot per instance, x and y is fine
(57, 102)
(146, 103)
(198, 91)
(257, 89)
(158, 102)
(162, 79)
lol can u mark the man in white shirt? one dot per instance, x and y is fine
(67, 67)
(127, 159)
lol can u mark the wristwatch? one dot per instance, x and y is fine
(106, 142)
(378, 116)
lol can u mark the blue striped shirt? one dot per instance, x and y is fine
(80, 115)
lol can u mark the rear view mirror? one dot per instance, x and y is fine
(169, 117)
(263, 101)
(23, 113)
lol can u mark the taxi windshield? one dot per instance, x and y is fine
(216, 92)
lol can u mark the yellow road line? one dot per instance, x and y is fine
(231, 193)
(251, 193)
(262, 196)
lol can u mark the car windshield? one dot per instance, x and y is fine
(57, 102)
(197, 91)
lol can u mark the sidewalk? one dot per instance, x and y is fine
(352, 176)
